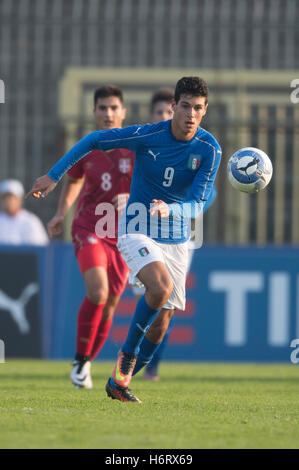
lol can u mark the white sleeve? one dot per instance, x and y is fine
(35, 233)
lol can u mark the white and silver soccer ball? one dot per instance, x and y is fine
(249, 170)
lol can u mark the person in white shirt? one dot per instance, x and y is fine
(17, 225)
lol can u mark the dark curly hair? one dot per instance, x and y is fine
(194, 86)
(106, 91)
(163, 94)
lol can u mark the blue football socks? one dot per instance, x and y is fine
(143, 317)
(147, 350)
(157, 356)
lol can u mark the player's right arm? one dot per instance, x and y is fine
(130, 137)
(70, 191)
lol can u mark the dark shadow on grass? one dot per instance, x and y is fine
(229, 379)
(19, 377)
(163, 379)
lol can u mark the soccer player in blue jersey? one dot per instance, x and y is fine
(176, 162)
(161, 109)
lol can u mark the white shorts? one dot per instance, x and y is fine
(139, 250)
(139, 291)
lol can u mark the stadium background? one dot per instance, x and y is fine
(52, 56)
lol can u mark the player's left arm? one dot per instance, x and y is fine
(202, 187)
(130, 137)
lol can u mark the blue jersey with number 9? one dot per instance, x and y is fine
(181, 173)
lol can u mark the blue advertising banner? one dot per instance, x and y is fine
(242, 305)
(21, 300)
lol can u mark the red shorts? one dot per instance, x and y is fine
(92, 251)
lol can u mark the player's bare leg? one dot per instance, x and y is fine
(89, 318)
(96, 284)
(160, 325)
(158, 284)
(155, 335)
(151, 343)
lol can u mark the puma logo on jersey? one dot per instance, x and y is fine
(153, 155)
(137, 131)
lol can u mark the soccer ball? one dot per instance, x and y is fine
(249, 170)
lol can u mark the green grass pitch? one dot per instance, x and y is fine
(194, 406)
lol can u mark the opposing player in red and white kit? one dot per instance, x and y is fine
(104, 180)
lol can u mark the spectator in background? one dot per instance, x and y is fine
(17, 225)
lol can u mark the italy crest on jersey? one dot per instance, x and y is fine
(143, 251)
(194, 161)
(124, 165)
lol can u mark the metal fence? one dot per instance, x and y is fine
(246, 108)
(41, 39)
